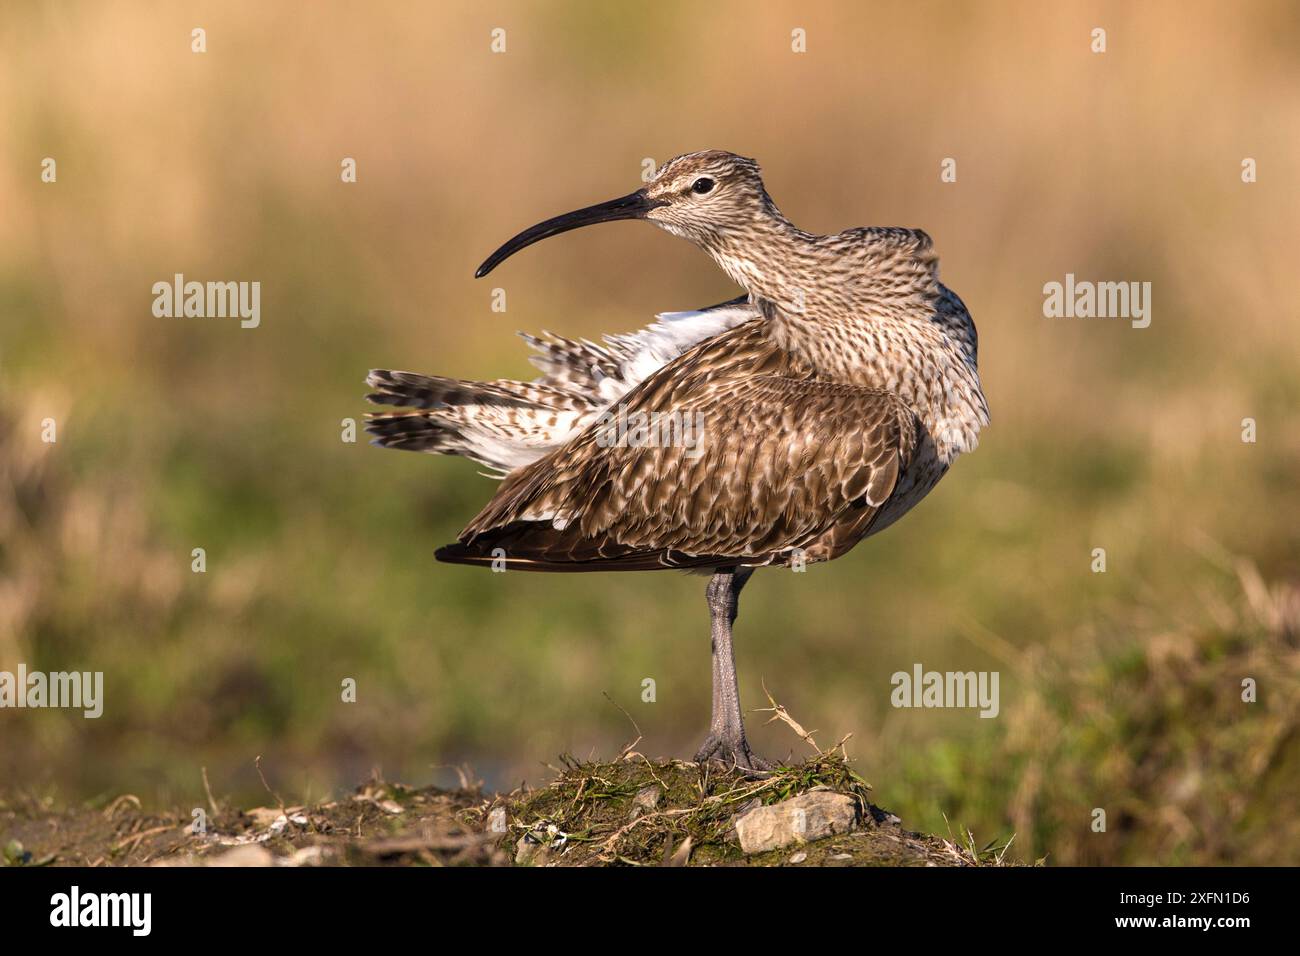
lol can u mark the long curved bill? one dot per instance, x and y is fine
(632, 206)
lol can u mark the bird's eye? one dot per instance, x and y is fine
(702, 185)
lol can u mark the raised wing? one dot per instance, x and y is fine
(741, 460)
(506, 425)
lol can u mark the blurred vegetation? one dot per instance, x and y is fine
(1119, 690)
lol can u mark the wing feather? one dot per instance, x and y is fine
(783, 462)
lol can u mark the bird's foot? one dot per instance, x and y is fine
(733, 753)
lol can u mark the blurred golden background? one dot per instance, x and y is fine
(1120, 690)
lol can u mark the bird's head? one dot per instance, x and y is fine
(699, 196)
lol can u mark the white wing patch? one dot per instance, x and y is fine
(601, 374)
(652, 348)
(505, 425)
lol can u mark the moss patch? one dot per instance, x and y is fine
(631, 811)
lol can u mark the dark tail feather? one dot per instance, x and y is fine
(411, 390)
(414, 431)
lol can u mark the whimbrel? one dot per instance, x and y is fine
(832, 397)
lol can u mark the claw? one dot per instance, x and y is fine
(733, 754)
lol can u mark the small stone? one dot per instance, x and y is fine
(753, 804)
(251, 854)
(14, 853)
(881, 817)
(647, 799)
(307, 856)
(809, 816)
(799, 857)
(527, 849)
(538, 848)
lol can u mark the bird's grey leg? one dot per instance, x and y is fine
(726, 742)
